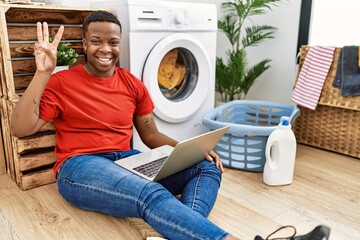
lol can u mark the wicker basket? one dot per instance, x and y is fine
(251, 122)
(331, 128)
(335, 124)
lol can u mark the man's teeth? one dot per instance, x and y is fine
(104, 59)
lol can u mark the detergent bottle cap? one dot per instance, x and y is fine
(284, 121)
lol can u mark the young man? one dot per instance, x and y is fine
(94, 107)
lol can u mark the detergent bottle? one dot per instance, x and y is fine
(280, 155)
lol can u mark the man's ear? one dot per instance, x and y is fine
(84, 45)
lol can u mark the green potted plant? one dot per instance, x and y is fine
(234, 77)
(66, 55)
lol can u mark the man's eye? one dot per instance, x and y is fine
(95, 42)
(114, 43)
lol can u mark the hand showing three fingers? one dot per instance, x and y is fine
(45, 52)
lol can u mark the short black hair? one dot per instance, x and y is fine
(100, 16)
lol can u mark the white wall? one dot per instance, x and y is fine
(277, 82)
(337, 26)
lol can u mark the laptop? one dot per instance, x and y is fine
(163, 161)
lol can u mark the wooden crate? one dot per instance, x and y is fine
(29, 161)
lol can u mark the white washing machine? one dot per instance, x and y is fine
(171, 47)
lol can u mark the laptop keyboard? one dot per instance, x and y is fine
(150, 169)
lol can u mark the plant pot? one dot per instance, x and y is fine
(60, 68)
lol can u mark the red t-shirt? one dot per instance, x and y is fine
(91, 114)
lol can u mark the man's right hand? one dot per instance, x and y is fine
(44, 51)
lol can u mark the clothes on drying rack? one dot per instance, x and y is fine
(312, 76)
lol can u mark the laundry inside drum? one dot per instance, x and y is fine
(177, 74)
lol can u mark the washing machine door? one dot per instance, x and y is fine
(177, 74)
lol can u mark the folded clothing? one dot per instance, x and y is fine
(312, 76)
(350, 71)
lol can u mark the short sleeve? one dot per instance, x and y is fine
(144, 103)
(51, 103)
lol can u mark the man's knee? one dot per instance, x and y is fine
(211, 169)
(153, 194)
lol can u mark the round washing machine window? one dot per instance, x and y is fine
(177, 74)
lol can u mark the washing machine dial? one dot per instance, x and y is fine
(179, 18)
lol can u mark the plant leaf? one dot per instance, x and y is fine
(256, 34)
(254, 72)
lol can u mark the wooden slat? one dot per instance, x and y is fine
(21, 49)
(21, 82)
(37, 179)
(8, 82)
(28, 33)
(37, 160)
(26, 49)
(52, 15)
(15, 156)
(23, 66)
(2, 73)
(2, 156)
(31, 143)
(7, 141)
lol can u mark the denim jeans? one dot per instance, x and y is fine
(94, 182)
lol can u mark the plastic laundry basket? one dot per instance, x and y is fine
(251, 122)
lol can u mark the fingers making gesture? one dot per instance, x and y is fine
(45, 51)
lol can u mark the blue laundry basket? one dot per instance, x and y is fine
(251, 122)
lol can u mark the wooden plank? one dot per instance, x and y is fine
(8, 84)
(31, 143)
(15, 160)
(2, 156)
(37, 160)
(21, 82)
(26, 66)
(26, 49)
(7, 141)
(37, 179)
(2, 73)
(28, 33)
(44, 14)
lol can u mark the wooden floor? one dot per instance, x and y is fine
(325, 190)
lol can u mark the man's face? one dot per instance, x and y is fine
(102, 44)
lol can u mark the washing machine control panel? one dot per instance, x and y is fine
(177, 17)
(190, 20)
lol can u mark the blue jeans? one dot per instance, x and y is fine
(95, 182)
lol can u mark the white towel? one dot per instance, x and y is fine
(312, 76)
